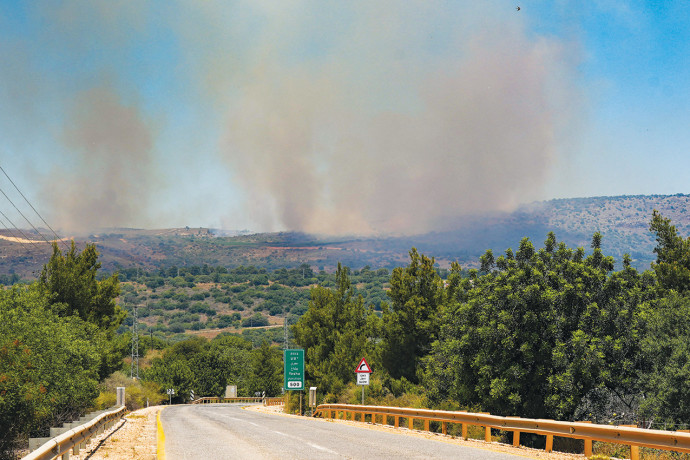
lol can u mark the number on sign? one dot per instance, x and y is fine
(294, 384)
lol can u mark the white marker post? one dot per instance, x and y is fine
(363, 370)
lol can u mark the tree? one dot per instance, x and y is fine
(411, 324)
(204, 367)
(537, 334)
(267, 366)
(48, 365)
(335, 334)
(74, 289)
(672, 265)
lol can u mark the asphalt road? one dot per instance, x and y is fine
(226, 431)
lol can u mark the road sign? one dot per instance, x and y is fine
(363, 367)
(171, 391)
(362, 378)
(293, 369)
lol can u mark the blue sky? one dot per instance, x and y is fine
(358, 117)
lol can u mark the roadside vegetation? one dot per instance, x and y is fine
(552, 333)
(548, 332)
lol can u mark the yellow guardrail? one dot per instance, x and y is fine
(76, 437)
(274, 401)
(629, 435)
(216, 400)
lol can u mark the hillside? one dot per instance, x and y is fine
(623, 221)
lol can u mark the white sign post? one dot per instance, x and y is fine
(363, 370)
(170, 391)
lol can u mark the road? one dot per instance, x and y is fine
(226, 431)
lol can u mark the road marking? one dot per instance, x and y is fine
(282, 434)
(316, 446)
(252, 423)
(160, 448)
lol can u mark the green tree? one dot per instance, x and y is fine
(538, 332)
(666, 350)
(73, 288)
(268, 371)
(48, 366)
(672, 265)
(204, 367)
(410, 325)
(335, 333)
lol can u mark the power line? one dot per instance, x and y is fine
(27, 202)
(14, 236)
(22, 214)
(18, 229)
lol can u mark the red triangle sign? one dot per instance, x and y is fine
(363, 367)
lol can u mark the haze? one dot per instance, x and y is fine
(336, 117)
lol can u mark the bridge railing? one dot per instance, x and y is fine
(76, 438)
(274, 401)
(216, 400)
(630, 435)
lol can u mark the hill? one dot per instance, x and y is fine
(623, 221)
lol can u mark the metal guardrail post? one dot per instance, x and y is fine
(588, 445)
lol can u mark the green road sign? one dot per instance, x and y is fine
(293, 369)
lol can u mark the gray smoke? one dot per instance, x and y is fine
(331, 117)
(108, 171)
(375, 136)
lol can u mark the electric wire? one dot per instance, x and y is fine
(12, 234)
(22, 214)
(34, 209)
(18, 229)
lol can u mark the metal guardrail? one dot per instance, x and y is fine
(216, 400)
(76, 438)
(274, 401)
(630, 435)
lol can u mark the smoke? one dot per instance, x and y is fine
(108, 173)
(375, 136)
(331, 117)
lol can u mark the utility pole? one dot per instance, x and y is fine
(134, 370)
(285, 329)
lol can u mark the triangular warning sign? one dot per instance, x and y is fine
(363, 367)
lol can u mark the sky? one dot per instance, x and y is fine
(358, 117)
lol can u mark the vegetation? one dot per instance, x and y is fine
(56, 343)
(554, 332)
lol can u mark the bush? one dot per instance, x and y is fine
(137, 392)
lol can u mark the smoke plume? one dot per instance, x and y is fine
(375, 136)
(329, 117)
(107, 175)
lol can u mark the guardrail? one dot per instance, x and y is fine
(76, 438)
(274, 401)
(216, 400)
(630, 435)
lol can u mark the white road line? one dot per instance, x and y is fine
(317, 447)
(280, 433)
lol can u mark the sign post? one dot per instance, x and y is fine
(293, 372)
(171, 392)
(363, 371)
